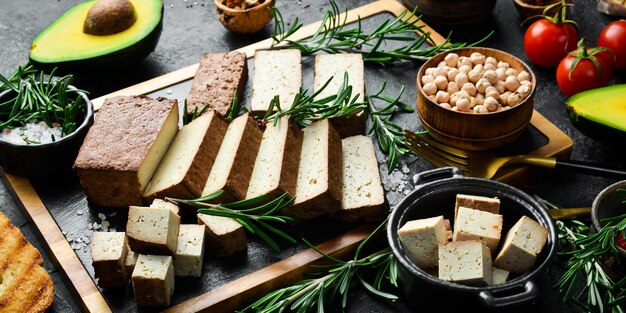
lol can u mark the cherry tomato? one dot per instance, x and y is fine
(546, 43)
(613, 36)
(585, 75)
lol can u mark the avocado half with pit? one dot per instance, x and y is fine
(601, 113)
(65, 44)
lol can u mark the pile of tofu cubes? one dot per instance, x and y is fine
(466, 254)
(155, 248)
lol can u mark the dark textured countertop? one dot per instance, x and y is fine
(191, 29)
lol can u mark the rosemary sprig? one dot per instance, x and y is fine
(232, 113)
(335, 281)
(332, 37)
(256, 214)
(41, 99)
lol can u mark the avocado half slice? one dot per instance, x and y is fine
(63, 44)
(601, 113)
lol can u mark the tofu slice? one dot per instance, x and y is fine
(276, 166)
(108, 253)
(235, 160)
(276, 72)
(473, 224)
(421, 240)
(225, 236)
(362, 196)
(466, 262)
(336, 66)
(130, 261)
(318, 189)
(522, 244)
(153, 280)
(160, 203)
(184, 170)
(499, 276)
(491, 205)
(189, 251)
(152, 230)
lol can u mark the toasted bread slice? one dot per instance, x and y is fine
(25, 286)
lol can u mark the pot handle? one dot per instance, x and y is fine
(529, 293)
(436, 174)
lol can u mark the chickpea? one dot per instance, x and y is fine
(477, 58)
(474, 76)
(469, 88)
(465, 69)
(491, 76)
(472, 102)
(514, 99)
(480, 98)
(452, 59)
(504, 65)
(523, 75)
(526, 83)
(430, 89)
(501, 72)
(491, 104)
(504, 98)
(441, 82)
(492, 61)
(482, 85)
(427, 79)
(463, 105)
(429, 71)
(441, 71)
(492, 92)
(452, 87)
(445, 105)
(442, 97)
(479, 68)
(500, 86)
(453, 98)
(511, 72)
(452, 74)
(511, 83)
(480, 109)
(489, 67)
(462, 94)
(523, 90)
(464, 61)
(442, 64)
(454, 108)
(432, 98)
(461, 79)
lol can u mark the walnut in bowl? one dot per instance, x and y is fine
(244, 16)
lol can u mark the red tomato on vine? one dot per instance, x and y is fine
(584, 69)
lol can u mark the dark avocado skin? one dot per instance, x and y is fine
(123, 58)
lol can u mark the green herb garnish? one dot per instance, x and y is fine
(255, 214)
(332, 37)
(335, 280)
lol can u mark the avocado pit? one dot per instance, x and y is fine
(108, 17)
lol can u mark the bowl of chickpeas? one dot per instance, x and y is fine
(475, 98)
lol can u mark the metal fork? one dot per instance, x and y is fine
(486, 165)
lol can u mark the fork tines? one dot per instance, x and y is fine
(436, 153)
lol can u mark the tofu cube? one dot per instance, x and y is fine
(225, 236)
(486, 204)
(130, 261)
(153, 280)
(152, 230)
(189, 251)
(466, 262)
(522, 244)
(499, 276)
(108, 252)
(162, 204)
(472, 224)
(421, 240)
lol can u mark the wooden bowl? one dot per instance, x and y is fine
(246, 21)
(527, 9)
(473, 131)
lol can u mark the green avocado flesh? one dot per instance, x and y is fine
(601, 110)
(63, 44)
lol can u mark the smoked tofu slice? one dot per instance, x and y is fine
(276, 73)
(276, 166)
(189, 251)
(162, 204)
(421, 240)
(499, 276)
(184, 170)
(318, 189)
(491, 205)
(123, 148)
(152, 230)
(335, 66)
(235, 160)
(478, 225)
(522, 244)
(153, 280)
(108, 253)
(225, 236)
(466, 262)
(362, 196)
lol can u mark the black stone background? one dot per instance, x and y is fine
(191, 29)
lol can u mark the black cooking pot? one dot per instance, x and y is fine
(435, 195)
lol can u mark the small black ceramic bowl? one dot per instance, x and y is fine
(435, 195)
(610, 203)
(49, 159)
